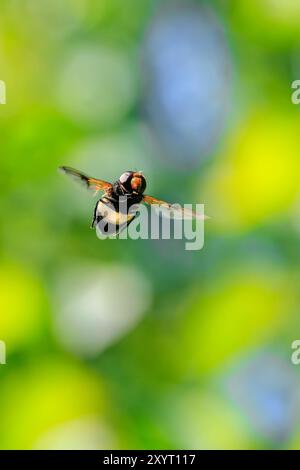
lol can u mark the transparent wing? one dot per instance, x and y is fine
(175, 209)
(90, 183)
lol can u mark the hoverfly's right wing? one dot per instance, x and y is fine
(90, 183)
(174, 210)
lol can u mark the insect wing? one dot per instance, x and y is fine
(174, 210)
(90, 183)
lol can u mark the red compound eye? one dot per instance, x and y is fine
(136, 183)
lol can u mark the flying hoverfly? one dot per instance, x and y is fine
(130, 187)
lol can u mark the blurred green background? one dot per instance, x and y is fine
(141, 344)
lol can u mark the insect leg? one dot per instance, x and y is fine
(95, 216)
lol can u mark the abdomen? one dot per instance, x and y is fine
(108, 219)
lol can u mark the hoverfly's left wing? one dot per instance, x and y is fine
(177, 211)
(90, 183)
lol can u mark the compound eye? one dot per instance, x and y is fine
(138, 183)
(125, 177)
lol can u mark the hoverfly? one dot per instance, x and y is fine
(129, 187)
